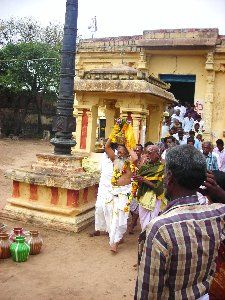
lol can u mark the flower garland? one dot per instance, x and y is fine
(134, 188)
(117, 173)
(122, 133)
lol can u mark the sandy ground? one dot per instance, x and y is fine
(71, 266)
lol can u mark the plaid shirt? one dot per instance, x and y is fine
(178, 257)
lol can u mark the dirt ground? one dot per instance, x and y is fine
(71, 266)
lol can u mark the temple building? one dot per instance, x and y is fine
(137, 76)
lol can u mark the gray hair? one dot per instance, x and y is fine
(187, 165)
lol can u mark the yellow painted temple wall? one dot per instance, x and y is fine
(181, 65)
(207, 64)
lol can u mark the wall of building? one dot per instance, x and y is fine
(181, 65)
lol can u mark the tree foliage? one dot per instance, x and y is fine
(26, 30)
(30, 62)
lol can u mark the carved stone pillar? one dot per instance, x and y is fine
(209, 95)
(138, 119)
(154, 123)
(110, 112)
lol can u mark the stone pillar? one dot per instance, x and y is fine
(86, 125)
(137, 125)
(143, 130)
(209, 95)
(154, 124)
(138, 119)
(110, 118)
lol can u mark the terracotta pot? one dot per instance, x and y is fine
(19, 249)
(35, 242)
(4, 245)
(17, 231)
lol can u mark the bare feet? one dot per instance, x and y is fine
(113, 248)
(95, 233)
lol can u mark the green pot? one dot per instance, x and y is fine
(19, 249)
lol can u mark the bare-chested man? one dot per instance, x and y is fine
(121, 182)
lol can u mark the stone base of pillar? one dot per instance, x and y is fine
(55, 192)
(48, 220)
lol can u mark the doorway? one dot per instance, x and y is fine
(182, 86)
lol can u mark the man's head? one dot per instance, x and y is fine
(207, 147)
(199, 137)
(122, 151)
(176, 123)
(169, 141)
(220, 144)
(147, 144)
(185, 170)
(153, 153)
(189, 115)
(190, 141)
(139, 150)
(196, 127)
(177, 112)
(198, 118)
(172, 130)
(180, 133)
(192, 134)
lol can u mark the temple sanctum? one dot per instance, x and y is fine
(137, 76)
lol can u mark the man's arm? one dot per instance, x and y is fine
(152, 270)
(133, 156)
(109, 150)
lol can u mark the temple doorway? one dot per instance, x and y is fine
(182, 86)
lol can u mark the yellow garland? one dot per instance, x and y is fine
(134, 187)
(125, 131)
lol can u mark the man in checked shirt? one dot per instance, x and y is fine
(178, 256)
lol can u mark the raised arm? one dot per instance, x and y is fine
(133, 156)
(109, 150)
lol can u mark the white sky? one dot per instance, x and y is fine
(124, 17)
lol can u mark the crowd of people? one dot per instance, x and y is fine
(175, 189)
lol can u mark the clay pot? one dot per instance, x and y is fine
(19, 249)
(4, 245)
(35, 242)
(17, 231)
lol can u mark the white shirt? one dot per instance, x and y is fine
(188, 124)
(181, 142)
(182, 110)
(201, 125)
(220, 158)
(175, 117)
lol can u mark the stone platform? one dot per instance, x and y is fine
(54, 192)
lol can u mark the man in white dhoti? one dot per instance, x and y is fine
(121, 189)
(103, 206)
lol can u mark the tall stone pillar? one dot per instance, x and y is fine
(86, 119)
(137, 125)
(138, 119)
(209, 95)
(110, 112)
(154, 123)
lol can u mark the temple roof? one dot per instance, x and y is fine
(185, 38)
(122, 86)
(122, 72)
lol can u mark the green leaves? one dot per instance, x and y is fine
(32, 67)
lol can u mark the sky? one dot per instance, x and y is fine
(123, 17)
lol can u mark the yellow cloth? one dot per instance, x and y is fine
(148, 200)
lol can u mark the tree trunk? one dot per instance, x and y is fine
(39, 112)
